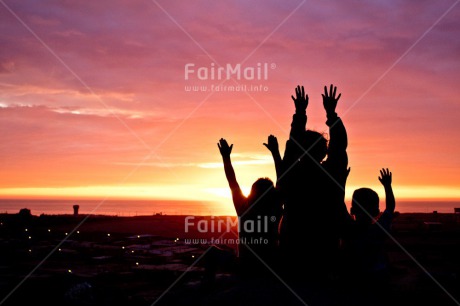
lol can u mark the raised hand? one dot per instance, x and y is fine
(385, 177)
(224, 148)
(301, 99)
(329, 99)
(272, 144)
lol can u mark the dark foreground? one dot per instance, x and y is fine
(147, 260)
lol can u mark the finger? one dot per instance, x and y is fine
(218, 146)
(335, 91)
(231, 147)
(330, 91)
(339, 97)
(265, 145)
(303, 92)
(293, 98)
(325, 91)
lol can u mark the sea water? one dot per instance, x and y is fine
(168, 207)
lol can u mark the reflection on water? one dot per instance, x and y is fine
(118, 207)
(168, 207)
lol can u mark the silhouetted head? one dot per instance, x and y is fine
(365, 200)
(316, 144)
(264, 199)
(261, 188)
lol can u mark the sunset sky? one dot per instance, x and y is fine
(93, 98)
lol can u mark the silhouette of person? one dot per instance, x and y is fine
(258, 217)
(365, 242)
(312, 189)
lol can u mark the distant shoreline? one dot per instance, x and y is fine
(131, 208)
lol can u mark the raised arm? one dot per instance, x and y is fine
(385, 178)
(337, 157)
(299, 121)
(237, 194)
(272, 145)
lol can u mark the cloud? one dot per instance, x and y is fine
(257, 160)
(120, 95)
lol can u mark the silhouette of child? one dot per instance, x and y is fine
(258, 216)
(312, 188)
(365, 244)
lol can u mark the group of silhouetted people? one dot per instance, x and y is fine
(310, 233)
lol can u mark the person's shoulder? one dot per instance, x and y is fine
(387, 214)
(386, 218)
(241, 204)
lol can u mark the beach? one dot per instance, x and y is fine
(106, 260)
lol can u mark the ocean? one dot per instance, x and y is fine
(116, 207)
(168, 207)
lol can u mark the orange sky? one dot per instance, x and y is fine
(93, 99)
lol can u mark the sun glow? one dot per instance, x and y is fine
(142, 135)
(224, 192)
